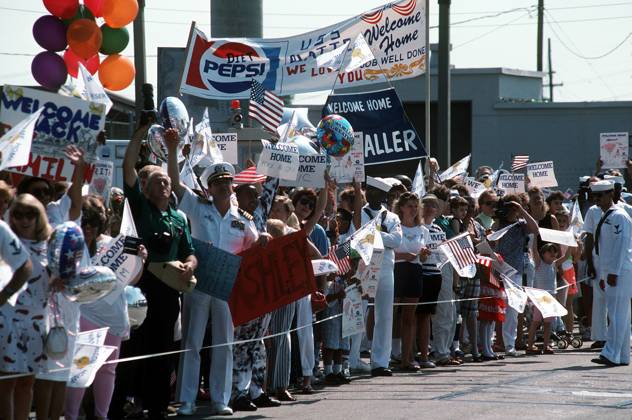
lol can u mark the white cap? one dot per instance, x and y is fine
(601, 186)
(393, 182)
(615, 179)
(216, 171)
(584, 178)
(379, 183)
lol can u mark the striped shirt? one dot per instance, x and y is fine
(436, 235)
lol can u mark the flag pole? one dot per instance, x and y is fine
(428, 77)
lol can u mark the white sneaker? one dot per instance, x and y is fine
(361, 367)
(187, 409)
(222, 410)
(512, 353)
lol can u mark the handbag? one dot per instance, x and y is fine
(56, 343)
(169, 273)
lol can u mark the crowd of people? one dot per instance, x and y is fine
(424, 315)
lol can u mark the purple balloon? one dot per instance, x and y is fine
(49, 70)
(50, 33)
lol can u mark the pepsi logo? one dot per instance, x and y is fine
(229, 67)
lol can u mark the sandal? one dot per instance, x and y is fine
(307, 390)
(533, 350)
(448, 362)
(285, 396)
(548, 350)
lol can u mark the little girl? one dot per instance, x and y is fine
(333, 343)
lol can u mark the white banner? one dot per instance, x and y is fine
(558, 237)
(227, 145)
(352, 312)
(224, 68)
(278, 160)
(511, 183)
(541, 174)
(351, 165)
(613, 150)
(547, 304)
(311, 172)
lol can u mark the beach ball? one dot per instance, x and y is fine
(335, 135)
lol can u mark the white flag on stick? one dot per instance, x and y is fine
(494, 236)
(558, 237)
(86, 361)
(516, 297)
(546, 304)
(457, 169)
(332, 59)
(188, 178)
(15, 145)
(360, 54)
(362, 241)
(94, 90)
(324, 266)
(128, 228)
(577, 220)
(419, 186)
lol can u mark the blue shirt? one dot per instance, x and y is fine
(320, 240)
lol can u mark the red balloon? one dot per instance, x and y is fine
(84, 37)
(64, 9)
(72, 61)
(95, 6)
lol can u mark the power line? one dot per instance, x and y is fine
(492, 30)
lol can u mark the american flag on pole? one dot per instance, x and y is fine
(265, 107)
(339, 254)
(519, 162)
(460, 252)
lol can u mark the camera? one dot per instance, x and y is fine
(148, 115)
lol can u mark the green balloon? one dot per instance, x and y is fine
(82, 13)
(114, 40)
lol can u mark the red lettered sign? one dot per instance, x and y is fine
(271, 276)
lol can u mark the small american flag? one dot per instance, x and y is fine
(484, 261)
(462, 249)
(339, 254)
(249, 176)
(519, 162)
(265, 107)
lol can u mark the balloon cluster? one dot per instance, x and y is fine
(173, 114)
(65, 250)
(72, 28)
(335, 135)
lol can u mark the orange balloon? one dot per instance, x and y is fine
(119, 13)
(116, 72)
(84, 38)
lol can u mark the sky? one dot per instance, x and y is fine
(591, 39)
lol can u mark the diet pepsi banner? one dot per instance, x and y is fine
(224, 68)
(379, 115)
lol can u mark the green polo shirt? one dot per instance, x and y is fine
(165, 234)
(444, 223)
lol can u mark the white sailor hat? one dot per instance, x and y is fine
(615, 179)
(217, 171)
(601, 186)
(379, 183)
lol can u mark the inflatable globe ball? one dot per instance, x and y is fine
(335, 135)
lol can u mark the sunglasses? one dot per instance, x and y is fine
(28, 214)
(490, 203)
(307, 202)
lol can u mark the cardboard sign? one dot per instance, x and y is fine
(223, 68)
(388, 134)
(511, 183)
(613, 150)
(227, 144)
(101, 183)
(474, 187)
(434, 239)
(352, 312)
(311, 172)
(125, 266)
(216, 271)
(280, 160)
(542, 174)
(351, 165)
(271, 277)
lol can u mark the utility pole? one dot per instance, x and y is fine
(443, 128)
(540, 32)
(551, 85)
(139, 57)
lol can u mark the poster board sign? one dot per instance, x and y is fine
(388, 134)
(101, 182)
(125, 266)
(474, 187)
(542, 174)
(227, 144)
(352, 312)
(311, 172)
(351, 165)
(613, 150)
(511, 183)
(271, 276)
(280, 160)
(223, 68)
(217, 270)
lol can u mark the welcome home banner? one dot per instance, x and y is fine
(379, 115)
(64, 121)
(224, 68)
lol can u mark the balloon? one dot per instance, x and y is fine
(335, 135)
(91, 284)
(116, 72)
(156, 142)
(174, 115)
(95, 6)
(50, 33)
(84, 37)
(72, 61)
(136, 306)
(65, 249)
(82, 13)
(49, 70)
(64, 9)
(114, 40)
(118, 13)
(305, 145)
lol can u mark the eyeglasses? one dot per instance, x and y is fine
(307, 202)
(28, 214)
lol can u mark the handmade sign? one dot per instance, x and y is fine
(433, 241)
(271, 277)
(324, 266)
(311, 172)
(474, 187)
(542, 174)
(280, 160)
(613, 150)
(217, 270)
(65, 120)
(388, 134)
(351, 165)
(227, 144)
(363, 240)
(125, 266)
(558, 237)
(224, 68)
(511, 183)
(352, 312)
(101, 183)
(369, 274)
